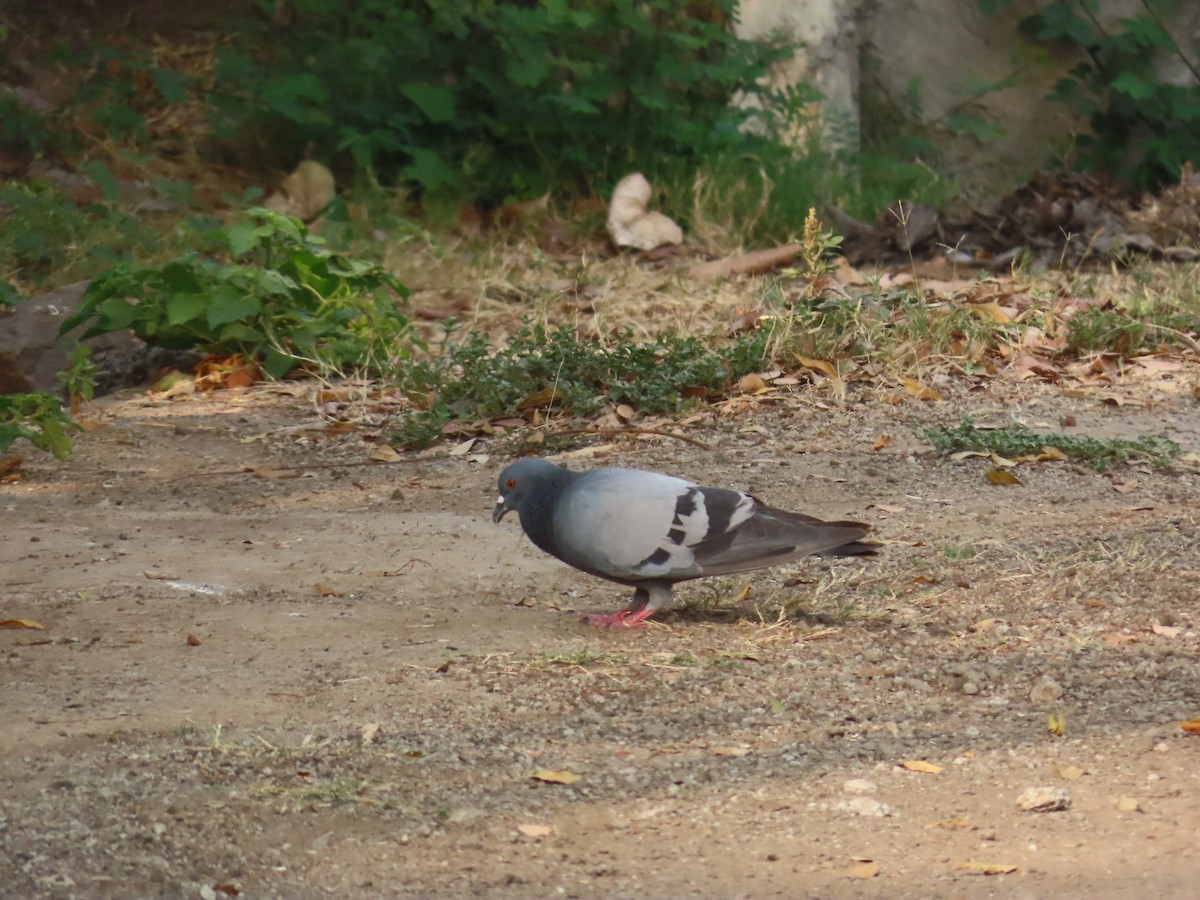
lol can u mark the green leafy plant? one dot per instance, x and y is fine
(78, 378)
(273, 293)
(494, 99)
(1144, 128)
(1017, 440)
(39, 418)
(9, 295)
(543, 367)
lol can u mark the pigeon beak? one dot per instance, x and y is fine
(500, 509)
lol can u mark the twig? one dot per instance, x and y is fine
(634, 430)
(1186, 338)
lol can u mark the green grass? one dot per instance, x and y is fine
(1017, 440)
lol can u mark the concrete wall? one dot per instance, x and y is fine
(864, 54)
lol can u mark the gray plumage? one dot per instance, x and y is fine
(649, 531)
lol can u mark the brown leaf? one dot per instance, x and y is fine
(981, 868)
(1166, 630)
(1192, 726)
(731, 751)
(327, 590)
(1125, 487)
(920, 765)
(888, 508)
(1001, 476)
(556, 776)
(193, 641)
(10, 463)
(463, 448)
(625, 412)
(882, 441)
(385, 453)
(914, 388)
(22, 623)
(820, 365)
(1070, 772)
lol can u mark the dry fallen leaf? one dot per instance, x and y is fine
(981, 868)
(1192, 726)
(1002, 476)
(386, 454)
(1166, 630)
(556, 776)
(882, 441)
(820, 365)
(22, 623)
(326, 590)
(920, 765)
(193, 641)
(463, 448)
(863, 870)
(914, 388)
(535, 830)
(1070, 772)
(887, 507)
(731, 751)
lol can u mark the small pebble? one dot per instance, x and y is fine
(1128, 804)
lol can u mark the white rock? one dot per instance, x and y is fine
(859, 786)
(866, 806)
(1044, 799)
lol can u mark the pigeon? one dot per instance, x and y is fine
(647, 530)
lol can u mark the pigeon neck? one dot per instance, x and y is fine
(537, 511)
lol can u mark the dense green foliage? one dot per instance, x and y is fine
(482, 98)
(272, 292)
(1144, 127)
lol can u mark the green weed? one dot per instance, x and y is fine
(40, 419)
(556, 367)
(1017, 440)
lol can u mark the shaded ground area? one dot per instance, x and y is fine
(341, 682)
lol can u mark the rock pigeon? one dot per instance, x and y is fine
(648, 530)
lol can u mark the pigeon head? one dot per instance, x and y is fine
(526, 482)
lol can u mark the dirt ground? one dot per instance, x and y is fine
(341, 683)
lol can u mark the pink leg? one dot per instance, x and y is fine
(620, 619)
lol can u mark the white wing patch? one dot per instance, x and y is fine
(700, 516)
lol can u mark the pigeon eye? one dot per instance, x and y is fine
(511, 483)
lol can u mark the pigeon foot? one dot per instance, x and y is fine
(624, 618)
